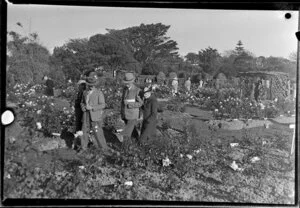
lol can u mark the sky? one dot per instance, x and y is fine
(264, 33)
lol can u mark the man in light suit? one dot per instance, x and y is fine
(92, 105)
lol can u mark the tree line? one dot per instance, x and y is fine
(144, 49)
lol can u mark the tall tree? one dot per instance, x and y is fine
(239, 49)
(109, 51)
(209, 59)
(73, 58)
(192, 58)
(28, 60)
(147, 42)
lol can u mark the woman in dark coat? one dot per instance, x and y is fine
(149, 116)
(49, 86)
(77, 106)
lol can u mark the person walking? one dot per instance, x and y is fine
(149, 109)
(130, 104)
(49, 86)
(187, 85)
(92, 105)
(175, 86)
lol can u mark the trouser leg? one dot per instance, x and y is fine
(127, 132)
(99, 135)
(84, 137)
(148, 132)
(129, 127)
(78, 119)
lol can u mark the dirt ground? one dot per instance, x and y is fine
(270, 179)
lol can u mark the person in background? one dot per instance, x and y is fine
(257, 87)
(149, 109)
(148, 82)
(175, 86)
(187, 85)
(92, 105)
(130, 109)
(201, 82)
(78, 111)
(49, 86)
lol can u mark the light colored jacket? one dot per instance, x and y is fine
(131, 110)
(96, 101)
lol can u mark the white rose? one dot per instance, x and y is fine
(166, 162)
(39, 125)
(189, 156)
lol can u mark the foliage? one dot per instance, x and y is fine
(147, 42)
(27, 60)
(172, 75)
(209, 59)
(193, 58)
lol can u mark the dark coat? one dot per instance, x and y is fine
(150, 119)
(49, 87)
(150, 110)
(78, 99)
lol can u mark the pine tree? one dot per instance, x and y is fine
(239, 49)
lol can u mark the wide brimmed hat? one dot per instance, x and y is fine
(81, 82)
(92, 81)
(129, 78)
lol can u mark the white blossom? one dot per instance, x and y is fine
(39, 125)
(189, 156)
(128, 183)
(166, 162)
(255, 159)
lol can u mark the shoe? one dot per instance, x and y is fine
(120, 137)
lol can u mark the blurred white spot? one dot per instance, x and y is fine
(128, 183)
(38, 125)
(255, 159)
(234, 144)
(166, 162)
(189, 156)
(7, 117)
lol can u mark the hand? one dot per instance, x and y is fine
(130, 105)
(83, 108)
(88, 107)
(126, 102)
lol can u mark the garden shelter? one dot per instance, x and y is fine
(273, 84)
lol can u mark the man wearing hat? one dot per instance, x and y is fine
(92, 104)
(130, 104)
(149, 115)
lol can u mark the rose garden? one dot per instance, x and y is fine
(203, 151)
(226, 141)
